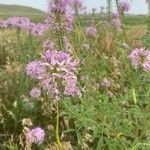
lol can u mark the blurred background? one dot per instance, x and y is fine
(137, 6)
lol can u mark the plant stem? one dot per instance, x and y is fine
(57, 128)
(60, 41)
(109, 5)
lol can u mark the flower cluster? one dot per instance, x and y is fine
(77, 5)
(56, 73)
(140, 58)
(124, 6)
(116, 21)
(91, 31)
(3, 24)
(48, 45)
(60, 16)
(38, 29)
(36, 136)
(18, 22)
(25, 24)
(35, 92)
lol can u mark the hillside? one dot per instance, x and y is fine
(16, 10)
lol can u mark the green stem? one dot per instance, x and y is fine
(117, 4)
(122, 20)
(60, 40)
(80, 27)
(57, 129)
(109, 5)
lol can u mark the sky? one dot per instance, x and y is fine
(137, 6)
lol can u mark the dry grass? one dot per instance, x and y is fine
(134, 34)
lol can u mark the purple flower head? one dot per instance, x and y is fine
(71, 88)
(48, 45)
(77, 5)
(69, 21)
(50, 86)
(35, 93)
(3, 24)
(36, 69)
(18, 22)
(58, 6)
(116, 21)
(124, 6)
(140, 58)
(91, 31)
(56, 57)
(117, 24)
(56, 73)
(39, 29)
(60, 16)
(36, 136)
(29, 27)
(146, 66)
(115, 15)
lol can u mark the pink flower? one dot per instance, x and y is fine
(36, 136)
(56, 73)
(124, 6)
(39, 29)
(140, 58)
(91, 31)
(71, 88)
(3, 24)
(18, 22)
(36, 69)
(35, 93)
(115, 15)
(48, 45)
(77, 5)
(116, 21)
(60, 16)
(117, 24)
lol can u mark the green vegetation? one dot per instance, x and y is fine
(113, 112)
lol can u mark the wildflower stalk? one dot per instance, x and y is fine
(109, 5)
(80, 27)
(57, 104)
(57, 127)
(18, 31)
(134, 95)
(122, 20)
(117, 4)
(148, 16)
(60, 41)
(119, 11)
(59, 34)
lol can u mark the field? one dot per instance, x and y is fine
(7, 11)
(73, 84)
